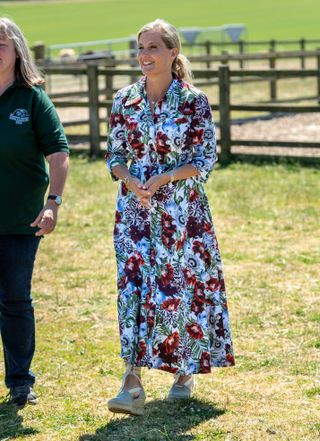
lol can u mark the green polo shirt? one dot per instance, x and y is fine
(30, 130)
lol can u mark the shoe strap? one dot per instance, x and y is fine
(188, 383)
(135, 390)
(132, 370)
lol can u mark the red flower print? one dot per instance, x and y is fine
(207, 228)
(134, 139)
(142, 319)
(124, 189)
(169, 344)
(142, 349)
(197, 136)
(199, 293)
(229, 355)
(167, 368)
(168, 230)
(167, 288)
(213, 284)
(131, 124)
(167, 222)
(167, 240)
(132, 268)
(194, 331)
(187, 108)
(193, 196)
(150, 319)
(162, 144)
(189, 276)
(153, 257)
(171, 304)
(219, 329)
(167, 275)
(198, 248)
(181, 241)
(194, 229)
(181, 120)
(138, 233)
(116, 118)
(122, 283)
(197, 307)
(230, 359)
(221, 280)
(148, 305)
(117, 217)
(207, 258)
(205, 363)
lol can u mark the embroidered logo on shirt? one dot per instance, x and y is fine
(19, 116)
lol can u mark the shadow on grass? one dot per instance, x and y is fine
(11, 423)
(162, 420)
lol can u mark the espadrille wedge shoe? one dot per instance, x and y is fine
(132, 400)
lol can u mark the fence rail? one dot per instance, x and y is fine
(205, 75)
(224, 76)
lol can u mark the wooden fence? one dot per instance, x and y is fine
(224, 76)
(242, 46)
(270, 59)
(208, 47)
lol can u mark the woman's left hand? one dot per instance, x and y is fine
(46, 219)
(155, 182)
(152, 185)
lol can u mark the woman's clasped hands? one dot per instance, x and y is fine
(144, 192)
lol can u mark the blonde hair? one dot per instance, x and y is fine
(25, 69)
(170, 36)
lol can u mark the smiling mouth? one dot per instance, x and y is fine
(147, 63)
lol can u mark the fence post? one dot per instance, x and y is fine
(272, 45)
(302, 48)
(226, 55)
(133, 57)
(94, 123)
(224, 111)
(318, 78)
(273, 80)
(207, 46)
(241, 52)
(109, 86)
(39, 51)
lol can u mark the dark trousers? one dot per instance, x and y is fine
(17, 256)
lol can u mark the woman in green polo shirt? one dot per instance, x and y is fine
(30, 134)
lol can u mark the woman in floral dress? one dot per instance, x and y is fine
(172, 303)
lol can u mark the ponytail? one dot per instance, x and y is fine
(182, 69)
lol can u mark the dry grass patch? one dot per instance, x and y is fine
(267, 220)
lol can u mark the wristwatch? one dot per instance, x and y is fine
(56, 198)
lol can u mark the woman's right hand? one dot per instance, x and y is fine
(142, 194)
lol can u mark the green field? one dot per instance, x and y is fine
(74, 21)
(267, 221)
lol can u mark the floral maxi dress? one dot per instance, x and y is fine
(172, 304)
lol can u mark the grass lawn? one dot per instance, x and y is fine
(68, 21)
(267, 221)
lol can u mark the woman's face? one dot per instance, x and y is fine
(153, 55)
(7, 57)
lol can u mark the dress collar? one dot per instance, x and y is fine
(137, 95)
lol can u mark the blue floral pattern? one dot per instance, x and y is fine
(172, 305)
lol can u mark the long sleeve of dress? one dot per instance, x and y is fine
(117, 146)
(203, 138)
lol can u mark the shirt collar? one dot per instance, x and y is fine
(137, 94)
